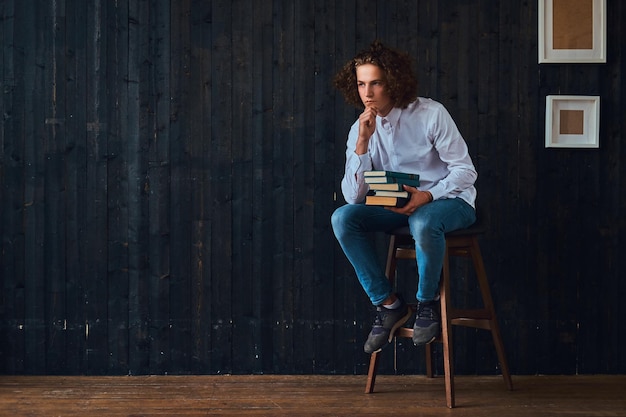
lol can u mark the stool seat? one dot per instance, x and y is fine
(459, 243)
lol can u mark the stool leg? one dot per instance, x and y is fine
(390, 267)
(428, 350)
(371, 373)
(481, 276)
(497, 341)
(390, 271)
(446, 332)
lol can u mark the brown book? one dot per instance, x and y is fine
(377, 200)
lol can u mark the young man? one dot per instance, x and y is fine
(399, 131)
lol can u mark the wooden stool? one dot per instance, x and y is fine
(462, 243)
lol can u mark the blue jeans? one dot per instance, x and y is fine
(352, 224)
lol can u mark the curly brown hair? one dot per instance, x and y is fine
(400, 80)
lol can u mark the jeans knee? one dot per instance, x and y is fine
(344, 219)
(337, 220)
(425, 227)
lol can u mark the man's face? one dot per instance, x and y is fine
(372, 89)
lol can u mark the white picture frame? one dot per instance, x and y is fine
(568, 34)
(572, 121)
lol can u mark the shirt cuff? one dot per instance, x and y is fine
(437, 191)
(359, 164)
(365, 163)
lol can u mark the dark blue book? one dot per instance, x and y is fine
(394, 174)
(391, 177)
(389, 180)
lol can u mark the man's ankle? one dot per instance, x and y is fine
(392, 302)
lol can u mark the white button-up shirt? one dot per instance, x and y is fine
(421, 139)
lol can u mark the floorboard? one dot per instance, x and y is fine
(273, 395)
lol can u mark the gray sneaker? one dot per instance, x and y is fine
(385, 325)
(427, 322)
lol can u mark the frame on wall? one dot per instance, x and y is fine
(572, 31)
(572, 121)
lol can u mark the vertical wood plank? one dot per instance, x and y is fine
(348, 300)
(325, 305)
(158, 181)
(247, 32)
(223, 116)
(199, 123)
(137, 119)
(55, 217)
(34, 203)
(123, 327)
(12, 200)
(309, 352)
(76, 167)
(284, 178)
(262, 261)
(180, 187)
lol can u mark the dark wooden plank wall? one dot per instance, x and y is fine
(168, 170)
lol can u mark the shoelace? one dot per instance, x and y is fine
(425, 311)
(380, 318)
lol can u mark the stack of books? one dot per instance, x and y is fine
(386, 188)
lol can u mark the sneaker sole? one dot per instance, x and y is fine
(399, 323)
(426, 343)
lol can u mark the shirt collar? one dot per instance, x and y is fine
(393, 116)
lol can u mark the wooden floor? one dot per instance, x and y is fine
(264, 395)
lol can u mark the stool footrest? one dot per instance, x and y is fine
(404, 332)
(483, 314)
(476, 323)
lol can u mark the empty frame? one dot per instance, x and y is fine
(572, 31)
(572, 121)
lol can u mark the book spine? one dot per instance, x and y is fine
(383, 193)
(386, 201)
(406, 181)
(404, 175)
(377, 187)
(393, 174)
(388, 180)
